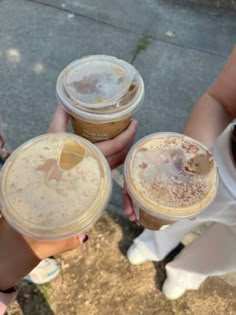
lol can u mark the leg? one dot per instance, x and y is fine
(213, 253)
(155, 245)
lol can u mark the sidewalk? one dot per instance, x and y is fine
(177, 46)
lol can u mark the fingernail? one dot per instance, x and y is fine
(135, 122)
(82, 238)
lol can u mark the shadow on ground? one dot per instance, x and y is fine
(130, 231)
(31, 299)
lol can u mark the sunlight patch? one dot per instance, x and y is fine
(13, 55)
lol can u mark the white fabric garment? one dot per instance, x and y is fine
(212, 253)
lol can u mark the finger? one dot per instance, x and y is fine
(123, 151)
(44, 249)
(59, 120)
(118, 143)
(132, 217)
(127, 203)
(114, 157)
(117, 159)
(1, 141)
(73, 243)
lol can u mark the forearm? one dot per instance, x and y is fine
(16, 257)
(216, 108)
(207, 120)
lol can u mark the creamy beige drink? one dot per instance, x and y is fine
(169, 177)
(101, 93)
(54, 186)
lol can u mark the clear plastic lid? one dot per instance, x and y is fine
(95, 82)
(100, 86)
(54, 186)
(171, 174)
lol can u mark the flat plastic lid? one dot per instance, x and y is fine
(96, 81)
(171, 174)
(54, 186)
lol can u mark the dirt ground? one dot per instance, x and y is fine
(98, 280)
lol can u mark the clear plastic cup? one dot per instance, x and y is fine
(169, 177)
(54, 186)
(101, 93)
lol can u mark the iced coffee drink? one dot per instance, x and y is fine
(101, 93)
(54, 186)
(169, 177)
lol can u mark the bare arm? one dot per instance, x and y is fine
(209, 116)
(216, 108)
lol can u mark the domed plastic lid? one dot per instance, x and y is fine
(96, 81)
(54, 186)
(171, 174)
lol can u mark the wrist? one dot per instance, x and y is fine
(8, 291)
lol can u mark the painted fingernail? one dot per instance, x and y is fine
(82, 238)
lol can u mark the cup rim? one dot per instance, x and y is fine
(121, 64)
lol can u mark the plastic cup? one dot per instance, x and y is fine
(101, 93)
(169, 177)
(54, 186)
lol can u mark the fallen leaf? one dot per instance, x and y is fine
(170, 34)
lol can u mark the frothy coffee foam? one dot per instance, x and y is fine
(159, 176)
(41, 193)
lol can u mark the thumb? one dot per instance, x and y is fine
(59, 120)
(62, 246)
(73, 243)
